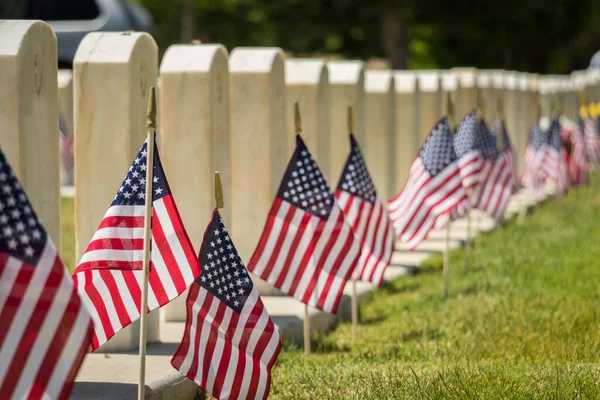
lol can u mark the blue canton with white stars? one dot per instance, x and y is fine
(437, 151)
(465, 139)
(133, 189)
(553, 135)
(21, 234)
(536, 137)
(223, 272)
(303, 184)
(486, 142)
(356, 179)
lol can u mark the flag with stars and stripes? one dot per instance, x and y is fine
(592, 141)
(109, 274)
(433, 189)
(554, 165)
(45, 329)
(230, 342)
(578, 162)
(66, 146)
(468, 147)
(497, 185)
(506, 151)
(534, 154)
(364, 211)
(307, 249)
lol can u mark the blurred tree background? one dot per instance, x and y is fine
(544, 36)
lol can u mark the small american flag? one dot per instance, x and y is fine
(66, 146)
(592, 141)
(307, 249)
(497, 185)
(554, 165)
(230, 343)
(578, 161)
(370, 222)
(109, 275)
(468, 148)
(433, 189)
(45, 330)
(534, 155)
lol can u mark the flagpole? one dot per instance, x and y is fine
(354, 302)
(298, 127)
(151, 125)
(446, 265)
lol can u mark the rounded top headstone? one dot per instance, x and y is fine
(484, 79)
(65, 77)
(405, 81)
(467, 77)
(497, 78)
(305, 71)
(449, 81)
(113, 47)
(347, 72)
(429, 81)
(12, 32)
(190, 57)
(511, 80)
(523, 81)
(595, 61)
(379, 81)
(254, 59)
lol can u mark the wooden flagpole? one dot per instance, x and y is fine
(354, 302)
(298, 126)
(446, 266)
(151, 125)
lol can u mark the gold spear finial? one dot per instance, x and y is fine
(297, 119)
(219, 191)
(151, 110)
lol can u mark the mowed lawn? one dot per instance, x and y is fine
(522, 322)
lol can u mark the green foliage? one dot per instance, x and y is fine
(522, 323)
(538, 35)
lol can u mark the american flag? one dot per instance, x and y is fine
(534, 155)
(592, 141)
(434, 187)
(66, 146)
(230, 343)
(109, 274)
(497, 185)
(468, 148)
(307, 249)
(578, 159)
(506, 151)
(45, 330)
(370, 222)
(554, 164)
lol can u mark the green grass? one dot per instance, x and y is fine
(521, 323)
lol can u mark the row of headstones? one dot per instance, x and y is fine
(228, 112)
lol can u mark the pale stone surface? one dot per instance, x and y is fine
(521, 136)
(449, 86)
(194, 138)
(406, 143)
(112, 76)
(260, 145)
(380, 128)
(467, 91)
(346, 88)
(430, 102)
(307, 82)
(65, 111)
(29, 117)
(409, 258)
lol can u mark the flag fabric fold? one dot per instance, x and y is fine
(45, 330)
(366, 215)
(307, 249)
(230, 342)
(533, 175)
(109, 274)
(433, 189)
